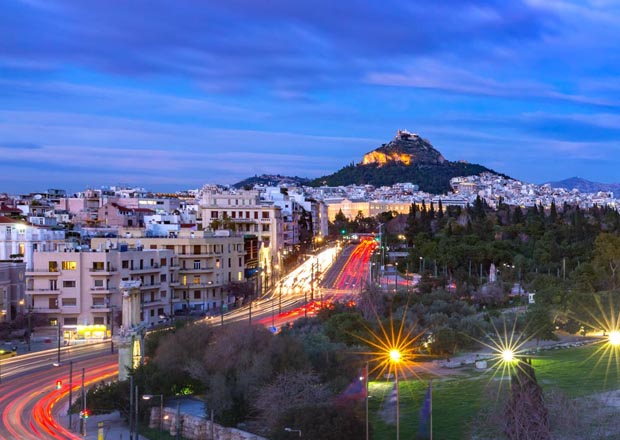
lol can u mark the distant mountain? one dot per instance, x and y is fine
(271, 180)
(407, 158)
(586, 186)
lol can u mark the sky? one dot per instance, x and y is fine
(172, 95)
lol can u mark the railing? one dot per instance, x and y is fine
(32, 291)
(110, 269)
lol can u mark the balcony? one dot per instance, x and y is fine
(174, 283)
(146, 269)
(150, 286)
(108, 271)
(196, 270)
(102, 290)
(46, 309)
(103, 308)
(42, 273)
(30, 291)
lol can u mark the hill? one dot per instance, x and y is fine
(271, 180)
(407, 158)
(586, 186)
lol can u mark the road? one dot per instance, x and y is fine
(29, 398)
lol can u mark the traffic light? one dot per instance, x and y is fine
(343, 231)
(84, 414)
(58, 384)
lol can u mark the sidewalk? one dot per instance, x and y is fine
(113, 425)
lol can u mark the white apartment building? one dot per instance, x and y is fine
(20, 238)
(80, 289)
(244, 212)
(207, 264)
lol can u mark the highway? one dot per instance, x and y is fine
(27, 404)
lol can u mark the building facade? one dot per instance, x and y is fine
(80, 289)
(208, 263)
(12, 288)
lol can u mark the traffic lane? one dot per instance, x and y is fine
(20, 396)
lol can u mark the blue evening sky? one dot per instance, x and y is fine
(171, 95)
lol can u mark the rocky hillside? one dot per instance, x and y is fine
(406, 148)
(407, 158)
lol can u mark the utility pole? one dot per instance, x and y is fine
(130, 407)
(112, 328)
(82, 419)
(70, 391)
(58, 322)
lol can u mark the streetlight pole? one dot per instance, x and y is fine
(161, 407)
(58, 322)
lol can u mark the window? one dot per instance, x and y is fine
(217, 263)
(213, 214)
(196, 264)
(197, 250)
(152, 312)
(240, 262)
(98, 283)
(162, 293)
(98, 320)
(265, 228)
(229, 262)
(255, 215)
(69, 302)
(162, 278)
(125, 264)
(162, 262)
(53, 303)
(196, 294)
(98, 265)
(53, 266)
(68, 283)
(247, 214)
(197, 280)
(265, 214)
(69, 265)
(70, 321)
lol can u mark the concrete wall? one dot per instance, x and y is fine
(194, 428)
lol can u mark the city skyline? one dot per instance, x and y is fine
(171, 97)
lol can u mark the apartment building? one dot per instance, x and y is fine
(20, 238)
(208, 263)
(12, 286)
(245, 212)
(80, 288)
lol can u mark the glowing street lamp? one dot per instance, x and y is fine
(508, 355)
(614, 337)
(395, 358)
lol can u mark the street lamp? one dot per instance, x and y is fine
(161, 407)
(395, 358)
(293, 430)
(614, 337)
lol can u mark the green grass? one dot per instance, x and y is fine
(457, 400)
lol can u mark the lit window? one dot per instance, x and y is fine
(69, 265)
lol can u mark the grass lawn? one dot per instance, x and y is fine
(457, 400)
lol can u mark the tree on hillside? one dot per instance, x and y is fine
(607, 256)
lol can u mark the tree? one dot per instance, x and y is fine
(288, 390)
(526, 414)
(539, 324)
(607, 256)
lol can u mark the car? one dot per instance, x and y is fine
(7, 353)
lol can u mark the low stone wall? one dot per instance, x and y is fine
(193, 428)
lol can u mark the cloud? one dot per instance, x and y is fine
(19, 145)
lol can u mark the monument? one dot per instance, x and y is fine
(131, 337)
